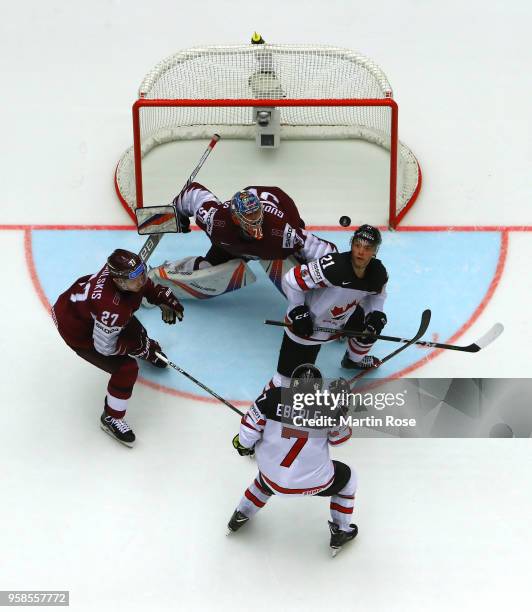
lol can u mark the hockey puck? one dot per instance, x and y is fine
(345, 221)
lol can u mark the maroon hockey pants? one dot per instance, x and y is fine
(123, 370)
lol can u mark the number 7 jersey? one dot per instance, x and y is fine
(292, 460)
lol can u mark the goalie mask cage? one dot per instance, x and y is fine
(320, 92)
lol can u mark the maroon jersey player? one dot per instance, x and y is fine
(258, 222)
(95, 318)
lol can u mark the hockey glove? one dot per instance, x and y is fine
(243, 451)
(147, 352)
(169, 315)
(155, 347)
(132, 339)
(374, 324)
(355, 323)
(301, 321)
(170, 306)
(183, 223)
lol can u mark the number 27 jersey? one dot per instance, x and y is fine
(292, 460)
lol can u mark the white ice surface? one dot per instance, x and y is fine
(444, 524)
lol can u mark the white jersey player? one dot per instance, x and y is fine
(295, 461)
(258, 222)
(339, 291)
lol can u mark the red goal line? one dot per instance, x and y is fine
(323, 228)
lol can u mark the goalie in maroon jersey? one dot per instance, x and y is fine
(95, 318)
(260, 223)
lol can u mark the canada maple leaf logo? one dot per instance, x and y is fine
(337, 312)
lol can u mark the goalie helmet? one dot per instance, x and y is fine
(125, 265)
(369, 235)
(306, 378)
(246, 211)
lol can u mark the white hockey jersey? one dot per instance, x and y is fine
(332, 291)
(292, 460)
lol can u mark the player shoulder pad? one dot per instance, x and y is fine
(335, 267)
(267, 402)
(376, 275)
(211, 215)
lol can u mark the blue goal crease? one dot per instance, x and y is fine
(224, 342)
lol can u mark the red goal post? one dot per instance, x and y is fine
(290, 71)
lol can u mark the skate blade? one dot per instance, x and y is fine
(110, 433)
(335, 551)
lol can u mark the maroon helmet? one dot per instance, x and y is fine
(125, 264)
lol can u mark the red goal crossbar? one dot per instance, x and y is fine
(394, 216)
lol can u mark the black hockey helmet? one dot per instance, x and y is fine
(125, 265)
(368, 234)
(306, 378)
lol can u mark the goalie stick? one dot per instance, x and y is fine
(197, 382)
(474, 347)
(153, 240)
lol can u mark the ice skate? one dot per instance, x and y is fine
(118, 429)
(339, 538)
(236, 521)
(366, 363)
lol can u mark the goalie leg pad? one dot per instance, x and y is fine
(277, 268)
(207, 282)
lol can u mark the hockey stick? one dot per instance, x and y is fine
(481, 343)
(197, 382)
(425, 320)
(153, 240)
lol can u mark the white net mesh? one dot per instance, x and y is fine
(266, 72)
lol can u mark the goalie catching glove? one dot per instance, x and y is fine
(171, 307)
(243, 451)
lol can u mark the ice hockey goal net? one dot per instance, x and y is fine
(317, 92)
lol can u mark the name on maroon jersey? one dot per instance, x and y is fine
(270, 208)
(98, 287)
